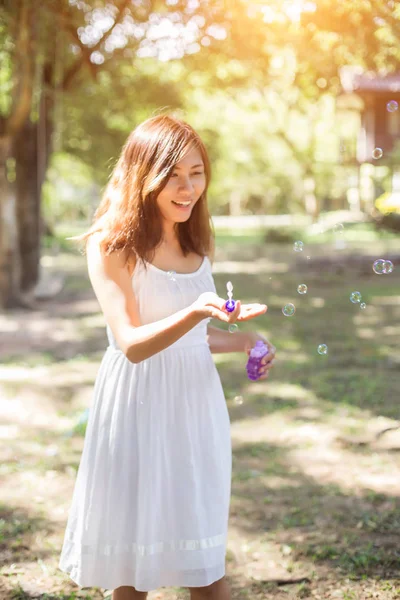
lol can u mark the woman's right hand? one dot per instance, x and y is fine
(211, 305)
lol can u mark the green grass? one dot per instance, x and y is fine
(357, 233)
(303, 512)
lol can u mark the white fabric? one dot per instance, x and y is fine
(151, 499)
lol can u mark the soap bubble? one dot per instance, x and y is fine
(233, 328)
(355, 297)
(388, 267)
(338, 228)
(171, 275)
(302, 288)
(238, 400)
(377, 153)
(379, 266)
(322, 349)
(382, 266)
(363, 305)
(229, 287)
(289, 310)
(298, 246)
(392, 106)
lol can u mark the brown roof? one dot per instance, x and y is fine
(354, 80)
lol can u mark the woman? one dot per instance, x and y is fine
(151, 499)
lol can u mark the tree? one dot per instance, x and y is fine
(234, 41)
(89, 37)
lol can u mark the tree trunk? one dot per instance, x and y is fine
(10, 263)
(31, 151)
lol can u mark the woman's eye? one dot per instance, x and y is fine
(196, 173)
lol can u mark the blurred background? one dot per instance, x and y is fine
(298, 104)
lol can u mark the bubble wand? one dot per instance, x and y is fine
(230, 304)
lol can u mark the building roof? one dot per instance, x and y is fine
(353, 79)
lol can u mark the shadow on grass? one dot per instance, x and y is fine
(17, 528)
(362, 367)
(274, 500)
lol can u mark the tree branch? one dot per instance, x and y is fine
(85, 50)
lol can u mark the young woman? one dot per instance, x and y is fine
(151, 499)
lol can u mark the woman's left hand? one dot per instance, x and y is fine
(268, 360)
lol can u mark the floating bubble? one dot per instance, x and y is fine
(363, 305)
(377, 153)
(302, 288)
(392, 106)
(308, 257)
(238, 400)
(229, 287)
(338, 228)
(171, 275)
(382, 266)
(322, 349)
(298, 246)
(388, 267)
(233, 328)
(355, 297)
(379, 266)
(289, 310)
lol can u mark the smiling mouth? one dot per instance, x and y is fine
(182, 203)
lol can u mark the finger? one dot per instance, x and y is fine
(221, 315)
(249, 312)
(254, 308)
(268, 359)
(267, 366)
(271, 352)
(234, 314)
(262, 377)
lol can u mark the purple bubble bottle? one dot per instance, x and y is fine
(256, 355)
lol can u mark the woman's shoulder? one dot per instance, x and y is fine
(96, 254)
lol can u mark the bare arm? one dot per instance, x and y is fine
(221, 340)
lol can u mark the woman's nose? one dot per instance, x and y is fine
(186, 184)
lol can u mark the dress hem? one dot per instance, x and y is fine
(164, 581)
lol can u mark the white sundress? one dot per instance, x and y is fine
(151, 499)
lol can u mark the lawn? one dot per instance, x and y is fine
(315, 509)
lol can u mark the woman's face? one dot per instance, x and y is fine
(186, 184)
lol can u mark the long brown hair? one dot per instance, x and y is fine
(128, 216)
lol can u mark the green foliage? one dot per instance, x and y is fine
(263, 103)
(5, 70)
(69, 192)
